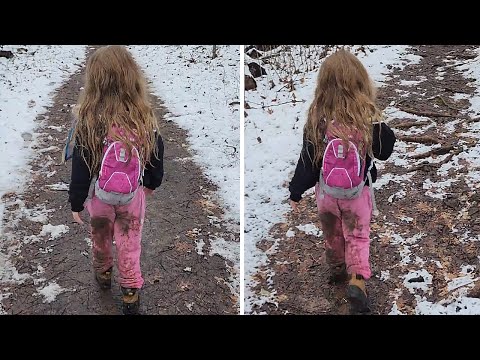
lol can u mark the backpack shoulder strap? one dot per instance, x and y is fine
(375, 211)
(67, 152)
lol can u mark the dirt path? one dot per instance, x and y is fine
(422, 241)
(182, 273)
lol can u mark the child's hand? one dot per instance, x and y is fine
(147, 191)
(77, 218)
(294, 205)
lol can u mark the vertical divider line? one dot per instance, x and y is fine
(242, 179)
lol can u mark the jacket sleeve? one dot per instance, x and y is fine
(306, 173)
(383, 141)
(80, 181)
(153, 175)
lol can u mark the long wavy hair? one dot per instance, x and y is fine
(115, 95)
(345, 98)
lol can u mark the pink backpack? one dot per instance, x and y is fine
(119, 178)
(342, 166)
(342, 175)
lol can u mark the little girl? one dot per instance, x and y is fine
(342, 135)
(117, 159)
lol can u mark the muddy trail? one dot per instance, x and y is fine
(53, 255)
(423, 248)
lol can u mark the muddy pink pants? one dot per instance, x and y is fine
(346, 229)
(124, 223)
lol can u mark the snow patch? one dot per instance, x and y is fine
(472, 70)
(8, 272)
(58, 186)
(310, 229)
(199, 244)
(290, 233)
(38, 281)
(405, 253)
(229, 250)
(55, 231)
(385, 179)
(412, 82)
(385, 275)
(398, 195)
(417, 279)
(395, 310)
(37, 214)
(51, 291)
(460, 306)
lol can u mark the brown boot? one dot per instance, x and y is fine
(131, 301)
(357, 295)
(104, 279)
(338, 274)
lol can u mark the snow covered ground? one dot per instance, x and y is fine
(273, 137)
(455, 297)
(203, 97)
(27, 83)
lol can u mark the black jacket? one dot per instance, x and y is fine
(307, 174)
(81, 178)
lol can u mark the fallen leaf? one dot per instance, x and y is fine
(183, 246)
(264, 292)
(424, 207)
